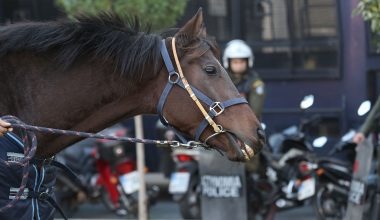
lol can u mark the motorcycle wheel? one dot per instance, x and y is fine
(260, 193)
(105, 197)
(190, 206)
(327, 204)
(129, 202)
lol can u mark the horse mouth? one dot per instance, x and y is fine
(242, 151)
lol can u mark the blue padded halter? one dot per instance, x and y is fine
(215, 108)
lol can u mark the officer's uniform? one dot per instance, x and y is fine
(253, 89)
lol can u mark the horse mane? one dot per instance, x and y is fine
(114, 39)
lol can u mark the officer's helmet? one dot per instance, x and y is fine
(237, 49)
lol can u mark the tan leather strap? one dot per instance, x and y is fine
(217, 128)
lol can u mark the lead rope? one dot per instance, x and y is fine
(217, 128)
(29, 152)
(29, 139)
(16, 123)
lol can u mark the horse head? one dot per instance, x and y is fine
(200, 100)
(104, 68)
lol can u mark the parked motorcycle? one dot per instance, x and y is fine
(185, 183)
(334, 179)
(288, 182)
(286, 179)
(107, 172)
(334, 173)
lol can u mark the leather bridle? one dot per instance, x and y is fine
(215, 108)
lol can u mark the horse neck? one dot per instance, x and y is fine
(84, 98)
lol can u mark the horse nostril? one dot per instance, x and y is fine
(261, 134)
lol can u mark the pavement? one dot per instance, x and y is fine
(166, 209)
(169, 210)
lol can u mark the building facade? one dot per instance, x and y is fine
(301, 47)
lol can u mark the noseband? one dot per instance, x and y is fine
(177, 78)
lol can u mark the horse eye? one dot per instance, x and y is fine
(211, 70)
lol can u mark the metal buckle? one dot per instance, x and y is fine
(215, 107)
(170, 77)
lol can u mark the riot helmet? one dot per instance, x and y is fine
(237, 49)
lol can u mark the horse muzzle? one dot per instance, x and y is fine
(241, 150)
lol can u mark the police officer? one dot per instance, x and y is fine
(238, 60)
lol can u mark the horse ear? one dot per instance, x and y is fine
(194, 28)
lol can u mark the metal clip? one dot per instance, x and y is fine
(174, 144)
(192, 144)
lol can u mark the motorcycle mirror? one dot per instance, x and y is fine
(320, 142)
(364, 108)
(307, 102)
(263, 126)
(348, 136)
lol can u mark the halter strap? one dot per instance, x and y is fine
(217, 128)
(178, 78)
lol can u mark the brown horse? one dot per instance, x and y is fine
(87, 74)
